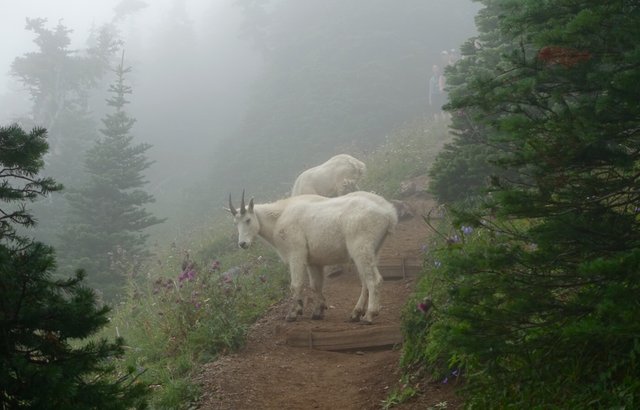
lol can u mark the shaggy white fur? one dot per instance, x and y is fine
(338, 176)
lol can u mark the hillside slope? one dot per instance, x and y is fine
(269, 374)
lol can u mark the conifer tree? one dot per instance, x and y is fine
(543, 308)
(60, 81)
(106, 227)
(462, 170)
(45, 362)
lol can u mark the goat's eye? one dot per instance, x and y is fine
(248, 221)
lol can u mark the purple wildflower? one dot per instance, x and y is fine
(215, 265)
(425, 305)
(424, 248)
(188, 274)
(437, 263)
(467, 230)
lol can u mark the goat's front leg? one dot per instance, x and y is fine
(296, 267)
(316, 279)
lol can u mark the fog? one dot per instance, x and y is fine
(191, 74)
(237, 94)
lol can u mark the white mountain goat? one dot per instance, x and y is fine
(338, 176)
(311, 231)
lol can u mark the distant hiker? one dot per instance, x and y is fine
(437, 96)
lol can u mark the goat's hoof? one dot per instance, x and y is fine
(291, 318)
(366, 322)
(356, 316)
(318, 312)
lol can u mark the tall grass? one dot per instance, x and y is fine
(191, 306)
(405, 154)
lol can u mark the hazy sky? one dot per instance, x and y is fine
(199, 84)
(78, 15)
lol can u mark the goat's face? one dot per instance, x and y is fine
(248, 228)
(246, 221)
(349, 185)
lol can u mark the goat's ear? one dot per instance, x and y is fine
(251, 205)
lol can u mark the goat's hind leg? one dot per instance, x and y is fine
(374, 280)
(358, 310)
(371, 280)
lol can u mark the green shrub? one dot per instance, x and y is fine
(424, 354)
(512, 342)
(542, 305)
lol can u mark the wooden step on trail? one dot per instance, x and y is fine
(399, 268)
(367, 337)
(390, 268)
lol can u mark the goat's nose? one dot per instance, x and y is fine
(243, 245)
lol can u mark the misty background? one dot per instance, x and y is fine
(235, 94)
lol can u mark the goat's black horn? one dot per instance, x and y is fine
(231, 208)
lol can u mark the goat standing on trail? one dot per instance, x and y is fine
(337, 176)
(311, 231)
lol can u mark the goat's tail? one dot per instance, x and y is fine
(392, 222)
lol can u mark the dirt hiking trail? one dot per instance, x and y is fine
(270, 373)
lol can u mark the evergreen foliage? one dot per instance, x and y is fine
(60, 80)
(462, 170)
(21, 158)
(542, 308)
(105, 230)
(43, 361)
